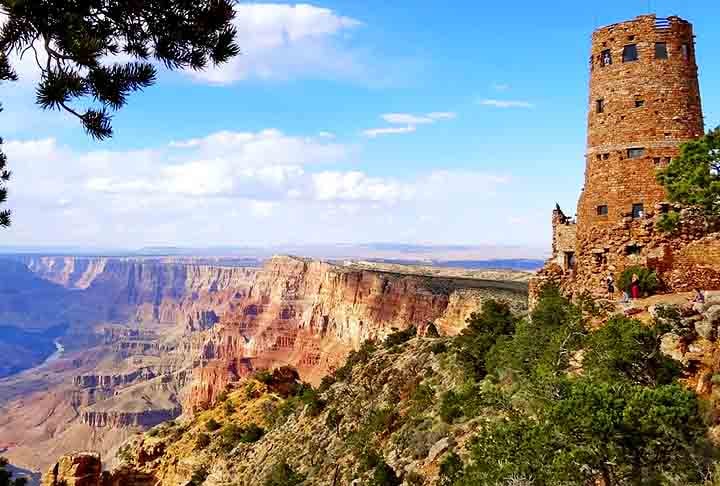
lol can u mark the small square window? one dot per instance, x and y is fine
(639, 103)
(600, 106)
(602, 210)
(606, 156)
(657, 160)
(630, 53)
(661, 50)
(606, 58)
(638, 210)
(635, 153)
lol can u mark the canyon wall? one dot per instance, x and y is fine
(310, 314)
(192, 295)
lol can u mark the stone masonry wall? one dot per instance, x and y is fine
(649, 103)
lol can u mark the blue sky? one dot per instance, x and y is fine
(343, 121)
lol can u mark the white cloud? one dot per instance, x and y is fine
(506, 103)
(281, 41)
(376, 132)
(442, 115)
(406, 119)
(181, 196)
(409, 120)
(357, 186)
(326, 134)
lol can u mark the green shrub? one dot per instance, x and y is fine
(384, 475)
(232, 435)
(626, 350)
(450, 407)
(263, 376)
(283, 475)
(359, 357)
(212, 425)
(669, 222)
(630, 433)
(647, 279)
(451, 469)
(439, 348)
(199, 476)
(202, 441)
(400, 337)
(482, 332)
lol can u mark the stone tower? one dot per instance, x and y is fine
(644, 103)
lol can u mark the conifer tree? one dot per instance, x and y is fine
(97, 52)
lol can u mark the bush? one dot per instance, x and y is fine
(232, 435)
(283, 475)
(439, 348)
(199, 476)
(359, 357)
(384, 475)
(202, 441)
(263, 376)
(633, 434)
(483, 331)
(451, 469)
(400, 337)
(626, 350)
(669, 222)
(450, 407)
(647, 279)
(212, 425)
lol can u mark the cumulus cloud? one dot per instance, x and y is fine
(410, 121)
(209, 190)
(280, 41)
(506, 103)
(376, 132)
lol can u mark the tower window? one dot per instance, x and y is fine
(639, 103)
(635, 153)
(638, 210)
(661, 50)
(630, 53)
(602, 210)
(600, 106)
(606, 58)
(606, 156)
(686, 51)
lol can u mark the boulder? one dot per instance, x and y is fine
(439, 448)
(671, 346)
(705, 329)
(712, 314)
(81, 469)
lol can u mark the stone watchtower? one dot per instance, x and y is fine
(644, 103)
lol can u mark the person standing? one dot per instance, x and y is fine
(610, 281)
(635, 287)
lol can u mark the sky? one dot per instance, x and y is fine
(341, 122)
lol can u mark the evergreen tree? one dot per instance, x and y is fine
(73, 44)
(693, 178)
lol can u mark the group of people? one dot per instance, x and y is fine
(634, 292)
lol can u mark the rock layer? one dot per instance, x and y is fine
(310, 314)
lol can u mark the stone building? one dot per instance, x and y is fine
(644, 103)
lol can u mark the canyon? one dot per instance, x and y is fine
(148, 339)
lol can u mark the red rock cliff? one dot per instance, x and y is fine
(310, 314)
